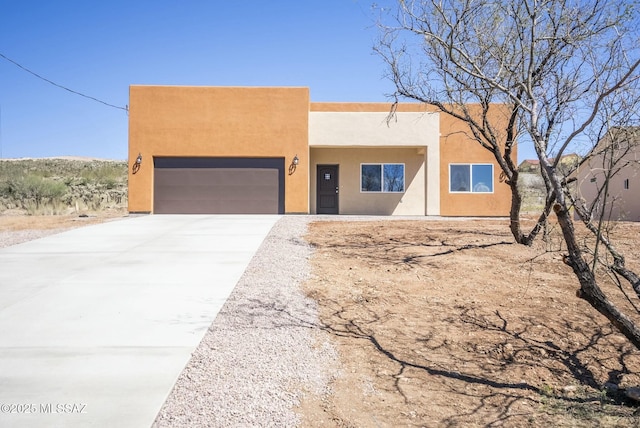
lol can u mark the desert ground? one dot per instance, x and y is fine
(448, 323)
(451, 324)
(17, 222)
(15, 227)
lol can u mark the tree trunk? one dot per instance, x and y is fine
(514, 214)
(589, 289)
(618, 265)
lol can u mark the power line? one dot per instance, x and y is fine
(63, 87)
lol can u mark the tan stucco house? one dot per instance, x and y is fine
(272, 150)
(609, 179)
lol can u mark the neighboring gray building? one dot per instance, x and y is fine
(616, 156)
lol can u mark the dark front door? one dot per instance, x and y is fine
(327, 189)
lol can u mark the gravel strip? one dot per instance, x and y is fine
(8, 238)
(263, 351)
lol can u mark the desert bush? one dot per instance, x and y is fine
(33, 188)
(106, 173)
(56, 186)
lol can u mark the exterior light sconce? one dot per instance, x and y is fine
(136, 165)
(294, 164)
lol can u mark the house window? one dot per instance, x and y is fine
(382, 177)
(471, 178)
(626, 184)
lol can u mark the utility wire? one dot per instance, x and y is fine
(63, 87)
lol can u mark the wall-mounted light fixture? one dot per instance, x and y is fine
(294, 163)
(136, 165)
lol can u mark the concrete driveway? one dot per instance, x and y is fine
(97, 323)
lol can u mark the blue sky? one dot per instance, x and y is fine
(100, 48)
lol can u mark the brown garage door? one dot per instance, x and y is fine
(218, 186)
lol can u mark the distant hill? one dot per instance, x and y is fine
(532, 185)
(62, 185)
(567, 163)
(76, 158)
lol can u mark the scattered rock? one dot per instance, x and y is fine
(633, 393)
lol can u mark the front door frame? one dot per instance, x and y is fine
(336, 168)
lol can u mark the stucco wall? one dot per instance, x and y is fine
(281, 122)
(445, 139)
(370, 129)
(352, 200)
(412, 135)
(456, 146)
(220, 122)
(623, 204)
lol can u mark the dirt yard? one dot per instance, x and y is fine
(16, 228)
(451, 324)
(18, 222)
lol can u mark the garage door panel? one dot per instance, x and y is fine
(210, 176)
(236, 193)
(240, 189)
(214, 207)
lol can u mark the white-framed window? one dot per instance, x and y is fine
(382, 177)
(471, 178)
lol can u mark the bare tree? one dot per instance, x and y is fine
(559, 72)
